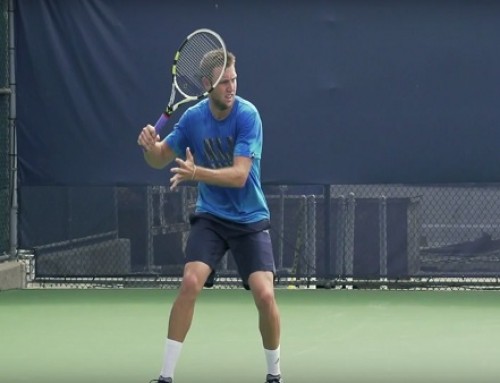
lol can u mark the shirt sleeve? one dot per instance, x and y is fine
(249, 137)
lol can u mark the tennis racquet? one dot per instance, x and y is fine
(198, 67)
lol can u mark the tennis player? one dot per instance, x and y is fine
(218, 144)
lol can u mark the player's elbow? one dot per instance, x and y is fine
(156, 166)
(241, 171)
(240, 183)
(155, 163)
(240, 180)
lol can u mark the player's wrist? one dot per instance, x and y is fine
(193, 175)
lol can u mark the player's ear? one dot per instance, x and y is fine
(207, 83)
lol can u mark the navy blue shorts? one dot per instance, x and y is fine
(250, 244)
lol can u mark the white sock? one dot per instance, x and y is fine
(273, 361)
(172, 353)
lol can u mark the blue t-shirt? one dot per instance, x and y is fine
(213, 144)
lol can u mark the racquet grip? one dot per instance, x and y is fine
(160, 124)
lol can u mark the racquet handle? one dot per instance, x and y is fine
(160, 124)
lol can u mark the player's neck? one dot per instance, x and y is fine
(219, 113)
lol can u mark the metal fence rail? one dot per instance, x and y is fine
(336, 236)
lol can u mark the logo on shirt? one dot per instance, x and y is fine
(218, 151)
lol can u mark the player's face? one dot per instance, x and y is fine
(223, 95)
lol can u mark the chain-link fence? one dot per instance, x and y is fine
(5, 192)
(337, 236)
(452, 232)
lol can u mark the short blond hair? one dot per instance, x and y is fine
(214, 59)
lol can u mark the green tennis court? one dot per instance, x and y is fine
(114, 335)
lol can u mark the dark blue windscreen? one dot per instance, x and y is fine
(349, 91)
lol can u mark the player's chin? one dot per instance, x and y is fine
(225, 103)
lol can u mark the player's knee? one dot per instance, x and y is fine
(264, 299)
(191, 284)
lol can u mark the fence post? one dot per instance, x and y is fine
(383, 237)
(341, 237)
(310, 241)
(349, 243)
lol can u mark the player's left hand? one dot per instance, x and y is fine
(185, 170)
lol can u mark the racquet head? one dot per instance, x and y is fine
(199, 63)
(198, 67)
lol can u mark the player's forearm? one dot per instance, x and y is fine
(156, 157)
(226, 177)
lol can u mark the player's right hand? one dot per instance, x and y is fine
(148, 138)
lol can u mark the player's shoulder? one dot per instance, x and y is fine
(245, 106)
(243, 103)
(197, 109)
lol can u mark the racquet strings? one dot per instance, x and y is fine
(188, 73)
